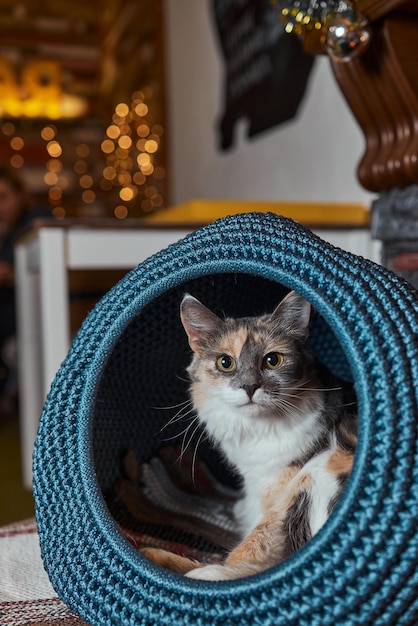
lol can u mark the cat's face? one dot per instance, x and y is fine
(257, 366)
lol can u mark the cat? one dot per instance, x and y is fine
(282, 421)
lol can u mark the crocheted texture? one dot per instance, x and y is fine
(130, 355)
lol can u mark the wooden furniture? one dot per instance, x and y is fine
(381, 87)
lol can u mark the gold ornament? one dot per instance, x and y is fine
(302, 15)
(341, 33)
(346, 40)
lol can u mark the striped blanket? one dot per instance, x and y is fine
(163, 503)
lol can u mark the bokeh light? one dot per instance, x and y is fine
(125, 142)
(107, 146)
(54, 149)
(59, 212)
(122, 109)
(121, 212)
(51, 178)
(54, 165)
(17, 161)
(131, 149)
(88, 196)
(151, 146)
(113, 131)
(17, 143)
(143, 130)
(86, 181)
(141, 109)
(126, 194)
(48, 133)
(55, 194)
(8, 129)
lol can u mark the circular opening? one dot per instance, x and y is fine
(163, 482)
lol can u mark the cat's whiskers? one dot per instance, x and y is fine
(284, 405)
(283, 395)
(171, 406)
(183, 431)
(184, 412)
(302, 387)
(183, 380)
(202, 436)
(177, 435)
(185, 445)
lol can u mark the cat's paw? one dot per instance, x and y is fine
(228, 571)
(168, 560)
(209, 572)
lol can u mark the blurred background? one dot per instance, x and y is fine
(81, 97)
(118, 109)
(112, 108)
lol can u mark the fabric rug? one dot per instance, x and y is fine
(174, 502)
(26, 595)
(171, 502)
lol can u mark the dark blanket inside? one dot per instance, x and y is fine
(173, 502)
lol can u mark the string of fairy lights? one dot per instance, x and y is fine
(131, 149)
(131, 173)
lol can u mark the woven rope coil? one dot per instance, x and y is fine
(362, 568)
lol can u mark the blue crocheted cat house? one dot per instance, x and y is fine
(108, 405)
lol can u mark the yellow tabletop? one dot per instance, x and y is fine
(311, 214)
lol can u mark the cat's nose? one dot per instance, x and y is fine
(250, 390)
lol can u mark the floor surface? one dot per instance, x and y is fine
(16, 503)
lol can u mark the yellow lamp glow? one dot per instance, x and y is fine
(38, 93)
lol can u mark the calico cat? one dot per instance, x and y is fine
(289, 430)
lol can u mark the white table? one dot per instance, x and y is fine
(43, 257)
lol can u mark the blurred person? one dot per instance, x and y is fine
(16, 211)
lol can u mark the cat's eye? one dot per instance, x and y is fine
(273, 360)
(225, 363)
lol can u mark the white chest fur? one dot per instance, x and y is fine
(259, 448)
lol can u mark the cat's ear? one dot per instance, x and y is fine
(295, 311)
(198, 322)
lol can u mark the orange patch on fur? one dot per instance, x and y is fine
(340, 462)
(303, 483)
(199, 396)
(259, 544)
(172, 562)
(233, 342)
(263, 546)
(272, 493)
(257, 336)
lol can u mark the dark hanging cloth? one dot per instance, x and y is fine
(266, 69)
